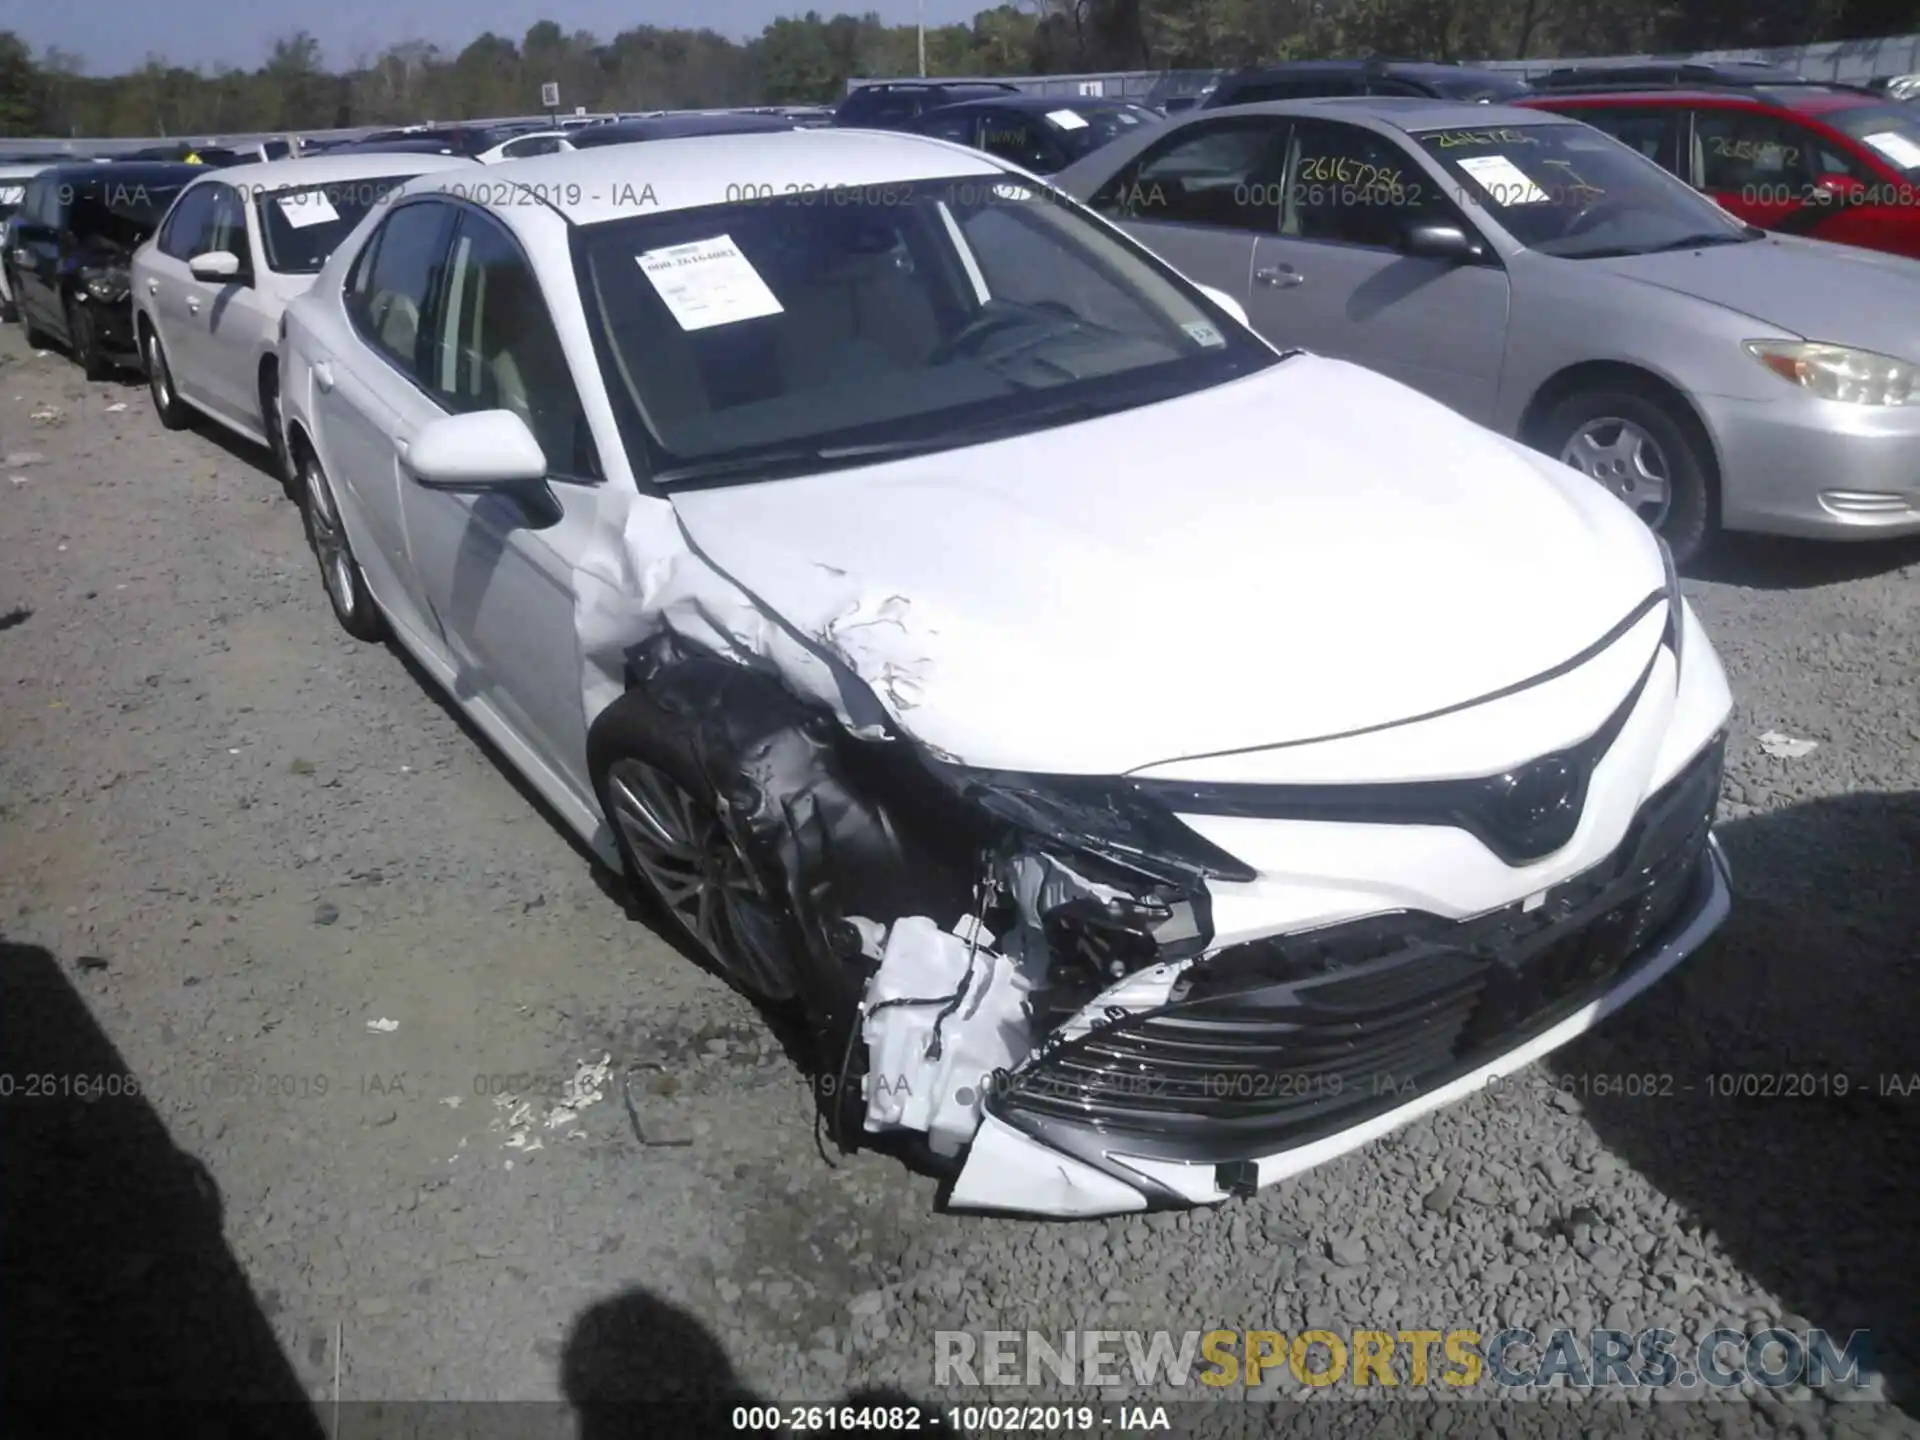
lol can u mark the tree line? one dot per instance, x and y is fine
(810, 58)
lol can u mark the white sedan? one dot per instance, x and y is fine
(1149, 763)
(236, 246)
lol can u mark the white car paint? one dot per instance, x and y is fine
(1313, 568)
(525, 147)
(219, 334)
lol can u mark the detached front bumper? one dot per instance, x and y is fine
(113, 328)
(1276, 1056)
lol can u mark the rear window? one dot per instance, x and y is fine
(1892, 132)
(303, 226)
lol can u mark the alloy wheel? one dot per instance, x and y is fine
(329, 541)
(684, 854)
(158, 380)
(1628, 461)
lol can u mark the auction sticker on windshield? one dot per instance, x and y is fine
(1896, 147)
(1068, 119)
(708, 282)
(1502, 179)
(12, 194)
(312, 208)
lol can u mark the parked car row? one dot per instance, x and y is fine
(805, 558)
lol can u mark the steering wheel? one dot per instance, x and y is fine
(1592, 215)
(967, 338)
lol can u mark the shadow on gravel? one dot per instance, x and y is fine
(17, 616)
(116, 1284)
(1816, 977)
(1770, 562)
(637, 1367)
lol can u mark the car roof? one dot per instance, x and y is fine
(1040, 103)
(1410, 113)
(1412, 69)
(677, 127)
(1812, 97)
(934, 85)
(326, 169)
(604, 183)
(133, 172)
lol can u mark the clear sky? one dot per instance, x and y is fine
(116, 35)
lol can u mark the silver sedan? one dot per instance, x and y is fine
(1557, 286)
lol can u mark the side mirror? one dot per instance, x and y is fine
(1840, 187)
(481, 451)
(1227, 303)
(215, 265)
(1442, 242)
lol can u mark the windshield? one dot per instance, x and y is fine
(794, 333)
(1487, 87)
(120, 215)
(302, 226)
(1569, 190)
(1890, 131)
(1085, 128)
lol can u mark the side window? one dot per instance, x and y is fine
(1350, 186)
(1735, 151)
(228, 227)
(190, 224)
(533, 145)
(390, 293)
(1224, 173)
(1021, 139)
(959, 128)
(495, 347)
(1303, 88)
(1654, 133)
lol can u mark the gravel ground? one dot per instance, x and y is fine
(267, 876)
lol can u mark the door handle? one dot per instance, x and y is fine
(153, 287)
(193, 304)
(1281, 277)
(323, 374)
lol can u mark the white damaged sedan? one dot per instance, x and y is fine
(1149, 763)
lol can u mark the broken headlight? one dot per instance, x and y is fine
(1101, 816)
(108, 286)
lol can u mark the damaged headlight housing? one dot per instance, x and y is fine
(108, 286)
(1101, 816)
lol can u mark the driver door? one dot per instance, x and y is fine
(495, 571)
(1334, 279)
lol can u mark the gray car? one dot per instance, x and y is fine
(1557, 286)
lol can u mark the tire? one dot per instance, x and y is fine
(270, 419)
(9, 312)
(677, 855)
(1651, 457)
(340, 573)
(35, 337)
(85, 344)
(167, 405)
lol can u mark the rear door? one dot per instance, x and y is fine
(1763, 166)
(1336, 281)
(36, 251)
(1201, 196)
(372, 396)
(167, 284)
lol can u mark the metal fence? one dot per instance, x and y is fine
(1848, 61)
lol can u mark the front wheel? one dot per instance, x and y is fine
(353, 603)
(166, 404)
(1646, 455)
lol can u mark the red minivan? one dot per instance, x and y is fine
(1828, 161)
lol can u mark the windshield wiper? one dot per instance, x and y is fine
(1700, 242)
(765, 464)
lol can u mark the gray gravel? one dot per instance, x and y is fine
(234, 840)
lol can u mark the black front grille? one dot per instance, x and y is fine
(1273, 1043)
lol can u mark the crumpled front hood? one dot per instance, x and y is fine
(1309, 551)
(1807, 288)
